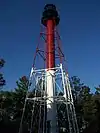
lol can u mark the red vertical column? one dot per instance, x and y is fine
(50, 46)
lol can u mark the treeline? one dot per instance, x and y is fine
(87, 105)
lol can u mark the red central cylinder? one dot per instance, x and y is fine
(50, 46)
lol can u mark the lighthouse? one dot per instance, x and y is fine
(50, 93)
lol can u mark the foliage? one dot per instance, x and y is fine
(2, 81)
(84, 103)
(2, 62)
(97, 90)
(87, 105)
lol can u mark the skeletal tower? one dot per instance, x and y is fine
(51, 100)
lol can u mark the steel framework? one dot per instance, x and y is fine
(65, 111)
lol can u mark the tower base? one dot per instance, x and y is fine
(62, 118)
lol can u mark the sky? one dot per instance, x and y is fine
(79, 29)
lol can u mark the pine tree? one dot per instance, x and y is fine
(20, 94)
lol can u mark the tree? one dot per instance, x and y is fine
(20, 94)
(2, 81)
(76, 86)
(93, 115)
(13, 104)
(97, 90)
(2, 62)
(83, 101)
(87, 106)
